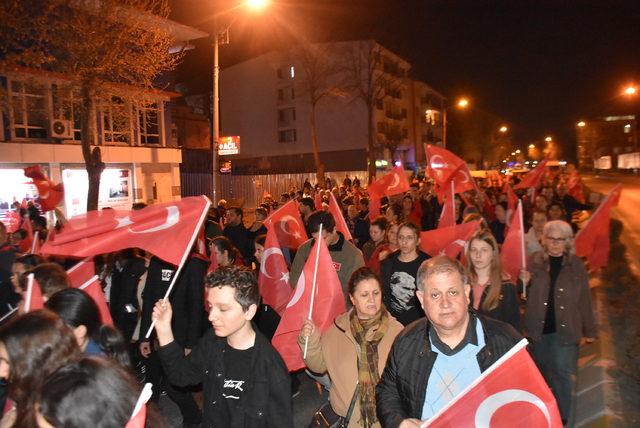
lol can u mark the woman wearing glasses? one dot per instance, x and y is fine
(559, 312)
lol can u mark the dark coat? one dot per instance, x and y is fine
(508, 309)
(239, 237)
(187, 301)
(267, 402)
(159, 276)
(401, 392)
(124, 291)
(572, 301)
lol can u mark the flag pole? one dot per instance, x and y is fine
(8, 314)
(144, 396)
(522, 247)
(27, 300)
(184, 259)
(36, 236)
(313, 288)
(453, 202)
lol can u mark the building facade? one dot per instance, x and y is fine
(609, 142)
(40, 124)
(266, 101)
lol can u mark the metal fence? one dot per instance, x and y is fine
(248, 190)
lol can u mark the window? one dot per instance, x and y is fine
(279, 73)
(404, 113)
(67, 105)
(292, 72)
(116, 121)
(286, 95)
(379, 104)
(405, 133)
(627, 128)
(287, 136)
(29, 109)
(286, 116)
(149, 122)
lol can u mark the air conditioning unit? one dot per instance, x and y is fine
(62, 129)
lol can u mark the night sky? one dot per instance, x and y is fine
(541, 65)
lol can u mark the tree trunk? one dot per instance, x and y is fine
(92, 158)
(314, 146)
(371, 161)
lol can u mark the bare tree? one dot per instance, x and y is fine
(367, 80)
(319, 73)
(104, 48)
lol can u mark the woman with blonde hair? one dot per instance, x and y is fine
(491, 294)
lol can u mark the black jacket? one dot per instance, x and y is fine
(239, 237)
(508, 309)
(267, 402)
(124, 287)
(159, 276)
(187, 301)
(401, 392)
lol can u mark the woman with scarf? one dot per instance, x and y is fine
(354, 349)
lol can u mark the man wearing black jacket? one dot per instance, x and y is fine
(245, 382)
(123, 298)
(434, 359)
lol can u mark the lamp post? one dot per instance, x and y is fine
(215, 120)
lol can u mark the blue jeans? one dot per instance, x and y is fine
(558, 364)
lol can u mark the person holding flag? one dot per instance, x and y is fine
(434, 359)
(366, 326)
(490, 294)
(559, 311)
(346, 256)
(88, 393)
(245, 381)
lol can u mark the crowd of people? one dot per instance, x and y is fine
(417, 329)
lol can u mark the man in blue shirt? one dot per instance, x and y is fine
(437, 357)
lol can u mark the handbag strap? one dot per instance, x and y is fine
(347, 418)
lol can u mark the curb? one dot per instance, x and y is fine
(597, 397)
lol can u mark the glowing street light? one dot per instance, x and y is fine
(503, 129)
(630, 90)
(581, 124)
(532, 146)
(513, 153)
(463, 103)
(548, 139)
(518, 151)
(257, 4)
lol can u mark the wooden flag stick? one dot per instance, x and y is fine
(313, 288)
(522, 246)
(183, 260)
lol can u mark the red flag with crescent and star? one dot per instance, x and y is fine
(513, 253)
(392, 183)
(448, 214)
(534, 177)
(288, 225)
(165, 230)
(511, 392)
(441, 164)
(592, 241)
(12, 221)
(328, 303)
(448, 240)
(50, 194)
(273, 277)
(336, 212)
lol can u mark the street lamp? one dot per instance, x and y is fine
(463, 103)
(548, 139)
(630, 90)
(221, 37)
(581, 124)
(532, 146)
(503, 129)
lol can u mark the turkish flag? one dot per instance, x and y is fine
(390, 184)
(512, 253)
(448, 214)
(441, 164)
(448, 240)
(93, 288)
(575, 188)
(273, 278)
(139, 415)
(592, 241)
(327, 304)
(317, 200)
(336, 212)
(487, 207)
(81, 272)
(510, 393)
(374, 206)
(50, 194)
(12, 221)
(512, 201)
(462, 179)
(32, 296)
(534, 177)
(166, 230)
(27, 241)
(288, 225)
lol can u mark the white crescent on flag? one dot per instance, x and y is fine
(173, 217)
(395, 183)
(435, 164)
(465, 176)
(492, 403)
(268, 252)
(297, 294)
(283, 225)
